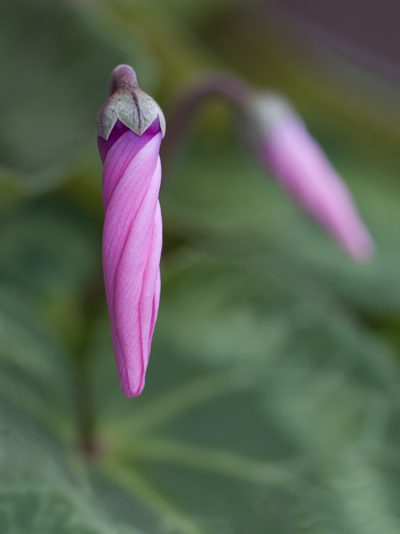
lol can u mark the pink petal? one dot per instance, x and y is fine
(131, 251)
(304, 171)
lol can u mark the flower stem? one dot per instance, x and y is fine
(82, 371)
(85, 412)
(223, 86)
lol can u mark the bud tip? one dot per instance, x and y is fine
(128, 104)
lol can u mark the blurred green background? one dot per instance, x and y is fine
(272, 402)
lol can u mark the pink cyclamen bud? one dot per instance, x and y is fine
(131, 126)
(285, 146)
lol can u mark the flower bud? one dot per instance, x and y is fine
(285, 147)
(131, 126)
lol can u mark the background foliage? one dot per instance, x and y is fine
(273, 399)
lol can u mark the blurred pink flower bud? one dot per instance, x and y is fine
(131, 127)
(287, 148)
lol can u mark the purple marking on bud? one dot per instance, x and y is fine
(132, 242)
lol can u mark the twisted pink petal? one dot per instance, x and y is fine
(302, 168)
(132, 241)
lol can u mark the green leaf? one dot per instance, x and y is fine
(219, 444)
(51, 254)
(36, 493)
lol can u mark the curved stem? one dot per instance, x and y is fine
(224, 86)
